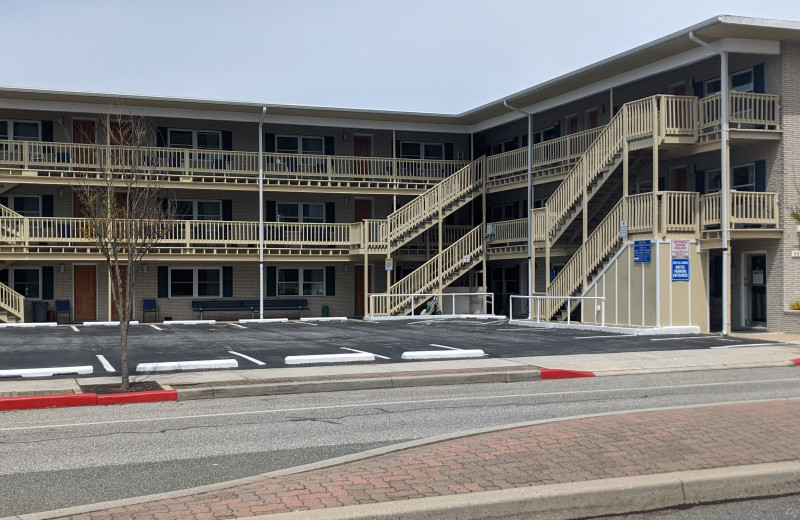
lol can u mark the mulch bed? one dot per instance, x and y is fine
(114, 388)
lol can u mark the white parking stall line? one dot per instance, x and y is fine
(493, 322)
(718, 338)
(614, 336)
(237, 325)
(329, 358)
(156, 327)
(248, 358)
(187, 365)
(307, 323)
(748, 345)
(443, 346)
(448, 354)
(105, 363)
(362, 352)
(74, 328)
(46, 372)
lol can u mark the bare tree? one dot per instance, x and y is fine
(122, 200)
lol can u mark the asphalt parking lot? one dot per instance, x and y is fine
(95, 350)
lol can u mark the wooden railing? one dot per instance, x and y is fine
(12, 302)
(67, 159)
(510, 231)
(547, 156)
(746, 208)
(640, 213)
(679, 212)
(425, 279)
(182, 233)
(747, 111)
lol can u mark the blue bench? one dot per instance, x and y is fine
(201, 306)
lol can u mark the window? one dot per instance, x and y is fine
(742, 81)
(504, 146)
(299, 145)
(21, 130)
(743, 178)
(431, 151)
(195, 139)
(195, 283)
(504, 212)
(301, 282)
(546, 134)
(25, 205)
(27, 282)
(198, 209)
(301, 212)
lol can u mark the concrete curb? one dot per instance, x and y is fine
(580, 499)
(371, 383)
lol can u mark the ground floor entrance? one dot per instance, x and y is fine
(85, 292)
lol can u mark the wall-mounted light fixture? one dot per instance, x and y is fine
(60, 192)
(344, 136)
(61, 268)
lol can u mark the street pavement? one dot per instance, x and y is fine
(568, 468)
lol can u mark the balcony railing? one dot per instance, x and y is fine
(216, 166)
(747, 112)
(61, 232)
(748, 208)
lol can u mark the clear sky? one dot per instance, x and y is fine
(442, 56)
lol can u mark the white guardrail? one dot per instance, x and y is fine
(569, 299)
(488, 298)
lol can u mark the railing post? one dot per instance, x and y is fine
(25, 154)
(187, 230)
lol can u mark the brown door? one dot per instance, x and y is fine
(362, 209)
(123, 273)
(83, 132)
(362, 147)
(358, 272)
(680, 178)
(85, 292)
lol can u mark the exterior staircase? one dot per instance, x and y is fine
(12, 305)
(432, 276)
(412, 219)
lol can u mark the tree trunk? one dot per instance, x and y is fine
(123, 353)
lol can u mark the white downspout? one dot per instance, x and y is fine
(724, 183)
(261, 213)
(530, 207)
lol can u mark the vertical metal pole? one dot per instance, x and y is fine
(261, 213)
(725, 185)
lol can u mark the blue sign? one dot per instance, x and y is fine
(680, 269)
(641, 251)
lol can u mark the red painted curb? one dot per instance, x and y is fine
(557, 373)
(47, 401)
(138, 397)
(796, 361)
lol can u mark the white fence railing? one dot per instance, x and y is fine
(487, 299)
(538, 299)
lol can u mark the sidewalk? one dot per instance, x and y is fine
(564, 469)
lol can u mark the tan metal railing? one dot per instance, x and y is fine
(640, 213)
(425, 279)
(509, 231)
(12, 302)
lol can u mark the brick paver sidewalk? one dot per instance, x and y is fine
(559, 452)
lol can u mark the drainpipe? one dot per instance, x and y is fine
(724, 182)
(261, 213)
(530, 206)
